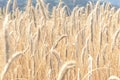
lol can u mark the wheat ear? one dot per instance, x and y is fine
(56, 44)
(65, 68)
(7, 66)
(7, 7)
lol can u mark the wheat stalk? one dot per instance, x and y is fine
(90, 67)
(79, 77)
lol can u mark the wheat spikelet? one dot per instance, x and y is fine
(114, 38)
(5, 29)
(47, 10)
(54, 12)
(8, 6)
(83, 54)
(104, 49)
(97, 4)
(74, 12)
(64, 11)
(60, 5)
(55, 53)
(6, 68)
(104, 52)
(118, 15)
(56, 44)
(29, 5)
(73, 19)
(76, 43)
(87, 9)
(42, 6)
(112, 10)
(65, 68)
(37, 8)
(113, 78)
(67, 10)
(14, 5)
(34, 17)
(87, 45)
(80, 11)
(77, 40)
(36, 40)
(58, 9)
(91, 27)
(105, 29)
(85, 48)
(102, 9)
(108, 5)
(91, 5)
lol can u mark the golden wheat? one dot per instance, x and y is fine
(63, 44)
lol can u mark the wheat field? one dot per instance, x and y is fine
(65, 44)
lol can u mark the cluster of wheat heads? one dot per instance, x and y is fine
(82, 44)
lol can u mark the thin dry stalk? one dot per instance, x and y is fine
(100, 36)
(104, 53)
(42, 6)
(33, 67)
(91, 25)
(98, 60)
(90, 67)
(29, 4)
(79, 77)
(83, 55)
(85, 48)
(76, 42)
(93, 70)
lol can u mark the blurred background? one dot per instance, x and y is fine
(70, 3)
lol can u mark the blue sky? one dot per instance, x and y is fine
(114, 2)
